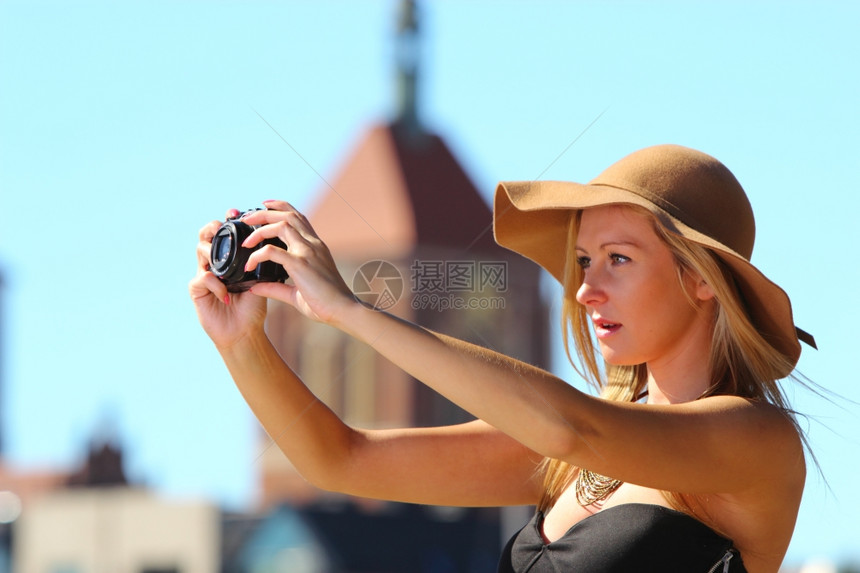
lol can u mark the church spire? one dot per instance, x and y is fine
(407, 58)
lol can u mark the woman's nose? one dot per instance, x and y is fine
(590, 292)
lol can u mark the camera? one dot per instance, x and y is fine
(229, 257)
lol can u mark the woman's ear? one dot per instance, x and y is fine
(703, 290)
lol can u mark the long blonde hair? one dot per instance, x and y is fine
(742, 363)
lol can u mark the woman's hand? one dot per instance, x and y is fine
(225, 317)
(317, 290)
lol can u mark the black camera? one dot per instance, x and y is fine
(229, 257)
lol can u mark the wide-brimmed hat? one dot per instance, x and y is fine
(690, 192)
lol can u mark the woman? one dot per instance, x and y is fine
(706, 461)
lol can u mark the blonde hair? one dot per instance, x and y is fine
(742, 363)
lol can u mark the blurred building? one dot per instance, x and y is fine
(18, 488)
(822, 566)
(347, 539)
(92, 520)
(413, 236)
(117, 530)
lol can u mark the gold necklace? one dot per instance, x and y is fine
(591, 487)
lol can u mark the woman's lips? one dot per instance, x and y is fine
(604, 328)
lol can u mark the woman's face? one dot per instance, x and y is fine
(631, 290)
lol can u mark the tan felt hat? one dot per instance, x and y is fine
(690, 192)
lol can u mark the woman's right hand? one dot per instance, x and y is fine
(226, 317)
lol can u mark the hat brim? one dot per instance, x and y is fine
(532, 218)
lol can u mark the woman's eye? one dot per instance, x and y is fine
(616, 258)
(583, 262)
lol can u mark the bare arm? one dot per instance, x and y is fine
(716, 445)
(470, 464)
(467, 465)
(719, 444)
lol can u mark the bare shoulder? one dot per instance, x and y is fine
(761, 421)
(766, 441)
(769, 458)
(768, 444)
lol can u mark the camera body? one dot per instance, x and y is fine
(229, 257)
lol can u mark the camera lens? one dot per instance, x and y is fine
(227, 255)
(222, 249)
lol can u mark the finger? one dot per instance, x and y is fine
(265, 217)
(204, 247)
(276, 211)
(278, 291)
(297, 221)
(206, 284)
(278, 205)
(289, 228)
(282, 230)
(303, 224)
(208, 231)
(268, 253)
(204, 252)
(231, 213)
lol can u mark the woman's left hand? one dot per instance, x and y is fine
(317, 290)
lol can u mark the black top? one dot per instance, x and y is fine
(626, 538)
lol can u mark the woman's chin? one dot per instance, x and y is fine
(614, 358)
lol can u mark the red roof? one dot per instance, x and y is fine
(396, 192)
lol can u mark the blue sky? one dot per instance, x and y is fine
(124, 126)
